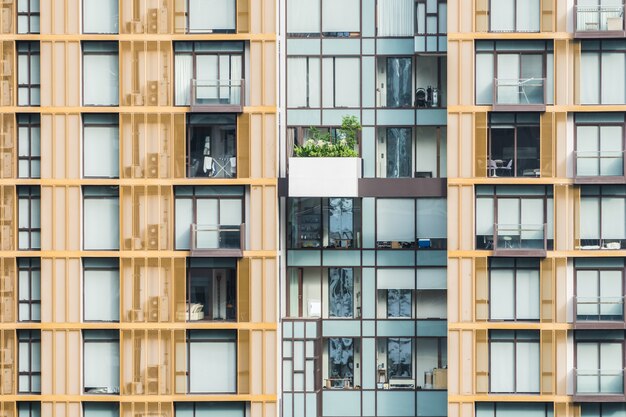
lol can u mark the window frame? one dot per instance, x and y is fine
(99, 197)
(599, 125)
(601, 194)
(230, 290)
(82, 22)
(440, 35)
(31, 49)
(188, 30)
(321, 33)
(515, 268)
(31, 408)
(32, 338)
(29, 121)
(356, 359)
(109, 53)
(86, 268)
(32, 196)
(29, 16)
(86, 124)
(189, 369)
(598, 342)
(109, 340)
(515, 28)
(29, 265)
(516, 125)
(515, 341)
(192, 126)
(599, 49)
(598, 269)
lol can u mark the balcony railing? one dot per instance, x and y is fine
(599, 163)
(596, 19)
(600, 308)
(217, 240)
(520, 239)
(224, 96)
(599, 382)
(511, 94)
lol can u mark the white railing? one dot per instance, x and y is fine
(216, 93)
(519, 91)
(599, 18)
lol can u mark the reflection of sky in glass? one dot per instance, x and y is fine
(340, 218)
(341, 355)
(398, 303)
(399, 358)
(340, 290)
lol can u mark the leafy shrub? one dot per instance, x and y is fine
(323, 145)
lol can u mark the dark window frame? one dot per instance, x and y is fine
(86, 124)
(599, 125)
(516, 125)
(30, 338)
(322, 34)
(29, 121)
(29, 265)
(86, 340)
(29, 16)
(515, 342)
(515, 268)
(191, 127)
(31, 49)
(102, 53)
(86, 268)
(231, 292)
(32, 194)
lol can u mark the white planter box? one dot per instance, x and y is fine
(324, 177)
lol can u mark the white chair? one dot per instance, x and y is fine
(508, 168)
(492, 168)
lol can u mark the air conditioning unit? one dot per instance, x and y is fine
(133, 243)
(153, 93)
(134, 99)
(152, 165)
(135, 26)
(135, 315)
(133, 171)
(152, 237)
(153, 20)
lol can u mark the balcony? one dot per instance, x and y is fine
(217, 96)
(218, 241)
(594, 382)
(590, 310)
(324, 177)
(519, 94)
(599, 21)
(599, 167)
(527, 240)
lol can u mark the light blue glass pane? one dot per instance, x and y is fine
(369, 403)
(369, 222)
(432, 328)
(433, 403)
(369, 328)
(287, 330)
(369, 293)
(311, 405)
(287, 405)
(369, 258)
(311, 330)
(396, 258)
(369, 82)
(395, 46)
(341, 328)
(368, 13)
(396, 404)
(304, 258)
(341, 258)
(298, 404)
(298, 330)
(368, 363)
(396, 328)
(341, 47)
(341, 403)
(432, 258)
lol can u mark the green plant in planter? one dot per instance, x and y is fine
(322, 144)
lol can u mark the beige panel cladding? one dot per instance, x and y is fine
(8, 218)
(553, 13)
(161, 409)
(263, 74)
(61, 362)
(460, 72)
(146, 362)
(60, 218)
(145, 217)
(460, 14)
(266, 409)
(460, 217)
(60, 146)
(7, 72)
(61, 290)
(8, 290)
(564, 58)
(6, 17)
(8, 145)
(146, 73)
(61, 409)
(8, 362)
(565, 205)
(263, 218)
(461, 289)
(262, 145)
(262, 288)
(60, 74)
(60, 17)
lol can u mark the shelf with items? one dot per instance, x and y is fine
(310, 231)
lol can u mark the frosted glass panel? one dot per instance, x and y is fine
(183, 69)
(395, 17)
(501, 297)
(101, 223)
(590, 78)
(484, 78)
(395, 279)
(212, 358)
(102, 295)
(100, 16)
(221, 17)
(100, 80)
(431, 218)
(484, 216)
(613, 218)
(296, 88)
(502, 14)
(101, 150)
(184, 218)
(613, 78)
(303, 16)
(395, 220)
(102, 364)
(590, 211)
(528, 15)
(527, 368)
(502, 360)
(527, 302)
(347, 82)
(341, 15)
(230, 212)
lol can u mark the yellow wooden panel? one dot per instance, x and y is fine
(547, 15)
(482, 361)
(547, 145)
(243, 145)
(547, 359)
(243, 289)
(481, 17)
(480, 144)
(243, 16)
(481, 275)
(547, 290)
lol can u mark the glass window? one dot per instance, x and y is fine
(515, 16)
(603, 409)
(399, 358)
(101, 148)
(212, 353)
(29, 289)
(303, 82)
(303, 17)
(603, 218)
(100, 409)
(215, 68)
(341, 362)
(28, 409)
(29, 361)
(395, 82)
(514, 145)
(430, 81)
(101, 361)
(211, 289)
(602, 72)
(100, 74)
(431, 25)
(28, 146)
(599, 148)
(514, 289)
(341, 292)
(210, 409)
(100, 16)
(29, 218)
(28, 16)
(341, 82)
(216, 214)
(212, 145)
(431, 362)
(28, 74)
(340, 17)
(101, 218)
(101, 289)
(395, 223)
(221, 19)
(395, 18)
(599, 290)
(508, 409)
(514, 361)
(599, 362)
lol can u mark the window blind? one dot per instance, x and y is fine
(395, 17)
(221, 17)
(100, 16)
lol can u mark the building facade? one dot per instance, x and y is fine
(139, 211)
(536, 105)
(363, 284)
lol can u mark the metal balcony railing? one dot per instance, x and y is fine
(599, 382)
(599, 163)
(217, 240)
(520, 237)
(599, 18)
(519, 92)
(217, 95)
(599, 308)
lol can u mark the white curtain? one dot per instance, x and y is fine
(528, 15)
(102, 295)
(527, 360)
(484, 217)
(303, 16)
(501, 297)
(235, 79)
(502, 357)
(484, 78)
(590, 78)
(102, 364)
(221, 16)
(432, 218)
(101, 80)
(328, 82)
(296, 82)
(347, 82)
(212, 358)
(527, 291)
(184, 218)
(101, 223)
(395, 279)
(100, 16)
(395, 17)
(502, 14)
(613, 218)
(341, 15)
(590, 212)
(613, 78)
(395, 220)
(101, 151)
(184, 72)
